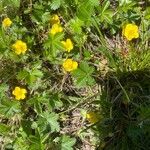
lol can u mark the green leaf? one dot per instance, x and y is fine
(75, 25)
(14, 3)
(125, 5)
(54, 101)
(8, 108)
(37, 73)
(123, 2)
(45, 17)
(53, 45)
(30, 76)
(23, 74)
(55, 4)
(83, 75)
(20, 144)
(67, 143)
(51, 120)
(3, 90)
(4, 129)
(3, 45)
(85, 11)
(36, 141)
(147, 13)
(106, 14)
(94, 2)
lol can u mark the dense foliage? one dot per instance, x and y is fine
(75, 74)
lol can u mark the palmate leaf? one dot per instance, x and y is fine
(106, 14)
(8, 108)
(14, 3)
(55, 4)
(67, 143)
(21, 143)
(36, 142)
(85, 11)
(3, 45)
(3, 89)
(4, 129)
(49, 119)
(83, 75)
(122, 2)
(76, 25)
(53, 45)
(94, 2)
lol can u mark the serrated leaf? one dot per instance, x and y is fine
(37, 73)
(67, 143)
(83, 75)
(94, 2)
(107, 16)
(85, 11)
(55, 4)
(4, 129)
(53, 45)
(22, 74)
(50, 119)
(36, 141)
(3, 89)
(75, 25)
(122, 2)
(14, 3)
(105, 6)
(20, 144)
(8, 108)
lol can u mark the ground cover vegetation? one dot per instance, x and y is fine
(74, 74)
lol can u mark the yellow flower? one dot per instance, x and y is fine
(55, 19)
(55, 29)
(6, 22)
(70, 65)
(19, 93)
(19, 47)
(131, 31)
(92, 117)
(68, 45)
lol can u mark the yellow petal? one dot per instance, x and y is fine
(22, 96)
(92, 117)
(130, 31)
(55, 19)
(18, 51)
(68, 45)
(19, 47)
(6, 22)
(55, 29)
(24, 91)
(17, 97)
(70, 65)
(75, 65)
(17, 89)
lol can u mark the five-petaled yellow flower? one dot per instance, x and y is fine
(55, 19)
(56, 28)
(68, 45)
(6, 22)
(70, 65)
(131, 31)
(19, 47)
(92, 117)
(19, 93)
